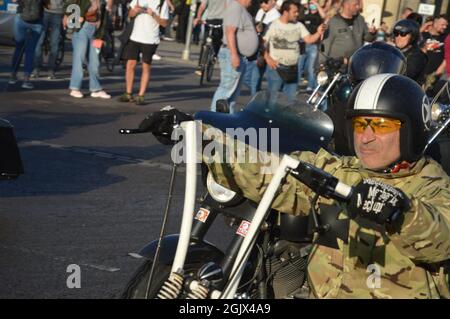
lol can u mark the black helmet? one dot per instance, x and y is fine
(398, 97)
(375, 58)
(408, 26)
(415, 17)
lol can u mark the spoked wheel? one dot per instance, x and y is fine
(137, 286)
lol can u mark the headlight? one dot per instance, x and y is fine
(322, 78)
(440, 112)
(436, 111)
(218, 192)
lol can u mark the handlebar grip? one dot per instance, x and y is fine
(322, 182)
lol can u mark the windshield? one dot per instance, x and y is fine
(297, 125)
(295, 114)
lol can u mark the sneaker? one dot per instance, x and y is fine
(100, 94)
(34, 74)
(309, 90)
(51, 75)
(156, 57)
(13, 79)
(168, 39)
(198, 72)
(27, 85)
(140, 100)
(126, 97)
(77, 94)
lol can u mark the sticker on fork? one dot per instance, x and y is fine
(202, 214)
(243, 228)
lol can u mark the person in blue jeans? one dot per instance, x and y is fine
(231, 79)
(313, 18)
(52, 26)
(255, 69)
(26, 36)
(307, 62)
(240, 41)
(88, 36)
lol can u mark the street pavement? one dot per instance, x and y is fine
(90, 196)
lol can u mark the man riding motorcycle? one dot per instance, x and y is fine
(398, 243)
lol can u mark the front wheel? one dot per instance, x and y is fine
(203, 62)
(61, 51)
(137, 286)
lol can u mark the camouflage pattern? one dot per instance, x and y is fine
(409, 262)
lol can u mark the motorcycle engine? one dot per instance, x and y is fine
(286, 272)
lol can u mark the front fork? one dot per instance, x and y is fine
(201, 224)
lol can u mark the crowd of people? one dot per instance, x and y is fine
(87, 21)
(289, 56)
(398, 215)
(285, 41)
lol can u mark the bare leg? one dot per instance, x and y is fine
(131, 65)
(145, 78)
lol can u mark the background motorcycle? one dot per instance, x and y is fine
(330, 75)
(275, 263)
(10, 161)
(439, 144)
(331, 95)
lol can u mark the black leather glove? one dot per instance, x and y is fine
(378, 202)
(162, 123)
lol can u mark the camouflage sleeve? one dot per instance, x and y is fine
(425, 234)
(246, 170)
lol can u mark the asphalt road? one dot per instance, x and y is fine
(89, 196)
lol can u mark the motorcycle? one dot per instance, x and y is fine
(10, 161)
(267, 257)
(331, 79)
(438, 146)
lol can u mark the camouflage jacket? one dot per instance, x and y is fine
(410, 263)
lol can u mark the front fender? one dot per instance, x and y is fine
(198, 251)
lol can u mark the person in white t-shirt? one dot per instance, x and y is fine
(282, 49)
(148, 16)
(256, 68)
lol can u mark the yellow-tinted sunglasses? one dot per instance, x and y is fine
(379, 125)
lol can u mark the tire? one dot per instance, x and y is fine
(61, 51)
(137, 286)
(110, 65)
(108, 53)
(210, 66)
(202, 75)
(203, 63)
